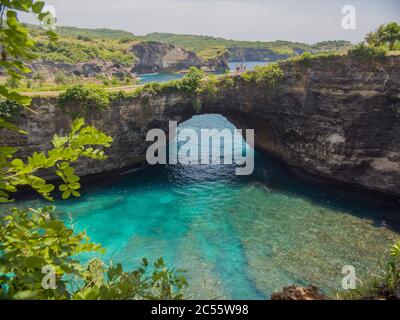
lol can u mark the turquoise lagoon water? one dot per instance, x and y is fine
(158, 77)
(237, 237)
(168, 76)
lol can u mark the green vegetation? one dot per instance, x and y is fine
(32, 239)
(74, 32)
(10, 110)
(16, 43)
(268, 75)
(305, 59)
(61, 78)
(215, 52)
(367, 53)
(199, 43)
(85, 97)
(386, 35)
(188, 84)
(83, 45)
(74, 50)
(82, 141)
(384, 285)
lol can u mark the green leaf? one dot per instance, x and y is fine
(17, 163)
(69, 171)
(66, 194)
(74, 185)
(47, 188)
(72, 179)
(75, 193)
(77, 124)
(37, 7)
(8, 150)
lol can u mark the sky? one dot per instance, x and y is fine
(307, 21)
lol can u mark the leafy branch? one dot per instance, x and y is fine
(82, 141)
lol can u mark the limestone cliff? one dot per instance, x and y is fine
(155, 56)
(336, 118)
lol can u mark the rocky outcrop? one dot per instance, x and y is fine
(336, 118)
(215, 64)
(299, 293)
(91, 69)
(155, 57)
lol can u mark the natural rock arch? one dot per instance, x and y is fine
(337, 118)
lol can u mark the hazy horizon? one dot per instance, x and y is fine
(308, 21)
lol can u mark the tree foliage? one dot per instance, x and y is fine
(10, 110)
(385, 35)
(16, 43)
(31, 240)
(82, 141)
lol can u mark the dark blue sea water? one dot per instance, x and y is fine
(237, 237)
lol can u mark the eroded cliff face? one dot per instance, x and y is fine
(156, 57)
(338, 118)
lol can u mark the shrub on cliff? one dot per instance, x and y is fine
(86, 97)
(364, 52)
(208, 87)
(269, 75)
(191, 81)
(10, 110)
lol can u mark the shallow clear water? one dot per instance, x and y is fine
(158, 77)
(237, 237)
